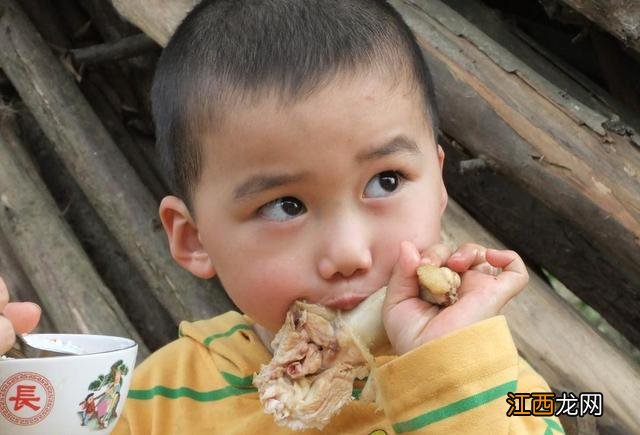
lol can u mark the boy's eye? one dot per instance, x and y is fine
(383, 184)
(282, 209)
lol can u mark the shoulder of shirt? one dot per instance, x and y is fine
(226, 344)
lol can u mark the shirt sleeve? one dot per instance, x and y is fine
(459, 383)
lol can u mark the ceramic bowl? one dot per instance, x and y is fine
(75, 394)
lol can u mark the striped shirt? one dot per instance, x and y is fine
(201, 383)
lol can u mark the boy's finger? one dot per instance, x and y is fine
(507, 260)
(23, 315)
(467, 256)
(436, 255)
(514, 276)
(403, 283)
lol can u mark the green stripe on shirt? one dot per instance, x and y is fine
(227, 333)
(200, 396)
(237, 381)
(455, 408)
(551, 426)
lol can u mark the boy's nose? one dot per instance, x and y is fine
(346, 252)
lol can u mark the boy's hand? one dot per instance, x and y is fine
(489, 279)
(16, 317)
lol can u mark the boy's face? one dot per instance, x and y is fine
(311, 201)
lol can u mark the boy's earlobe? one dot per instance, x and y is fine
(183, 237)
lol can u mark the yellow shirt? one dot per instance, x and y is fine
(201, 384)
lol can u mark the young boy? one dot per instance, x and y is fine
(300, 137)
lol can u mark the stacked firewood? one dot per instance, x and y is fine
(545, 159)
(79, 181)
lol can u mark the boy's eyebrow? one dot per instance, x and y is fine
(259, 183)
(397, 144)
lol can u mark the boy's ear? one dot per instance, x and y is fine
(184, 239)
(445, 197)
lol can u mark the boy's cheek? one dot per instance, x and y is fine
(265, 296)
(417, 227)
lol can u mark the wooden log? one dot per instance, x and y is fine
(71, 291)
(562, 71)
(126, 89)
(146, 144)
(124, 48)
(111, 185)
(19, 285)
(557, 342)
(107, 21)
(156, 18)
(113, 28)
(20, 288)
(149, 318)
(621, 18)
(4, 81)
(135, 156)
(619, 71)
(45, 16)
(112, 264)
(76, 20)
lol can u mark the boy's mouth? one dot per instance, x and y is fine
(345, 302)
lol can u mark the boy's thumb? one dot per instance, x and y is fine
(403, 283)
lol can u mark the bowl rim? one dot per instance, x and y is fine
(132, 343)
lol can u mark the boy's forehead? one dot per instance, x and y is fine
(340, 102)
(349, 115)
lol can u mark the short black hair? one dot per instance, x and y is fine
(226, 51)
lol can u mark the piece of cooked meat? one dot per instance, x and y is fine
(314, 365)
(318, 353)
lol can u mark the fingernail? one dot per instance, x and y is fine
(456, 256)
